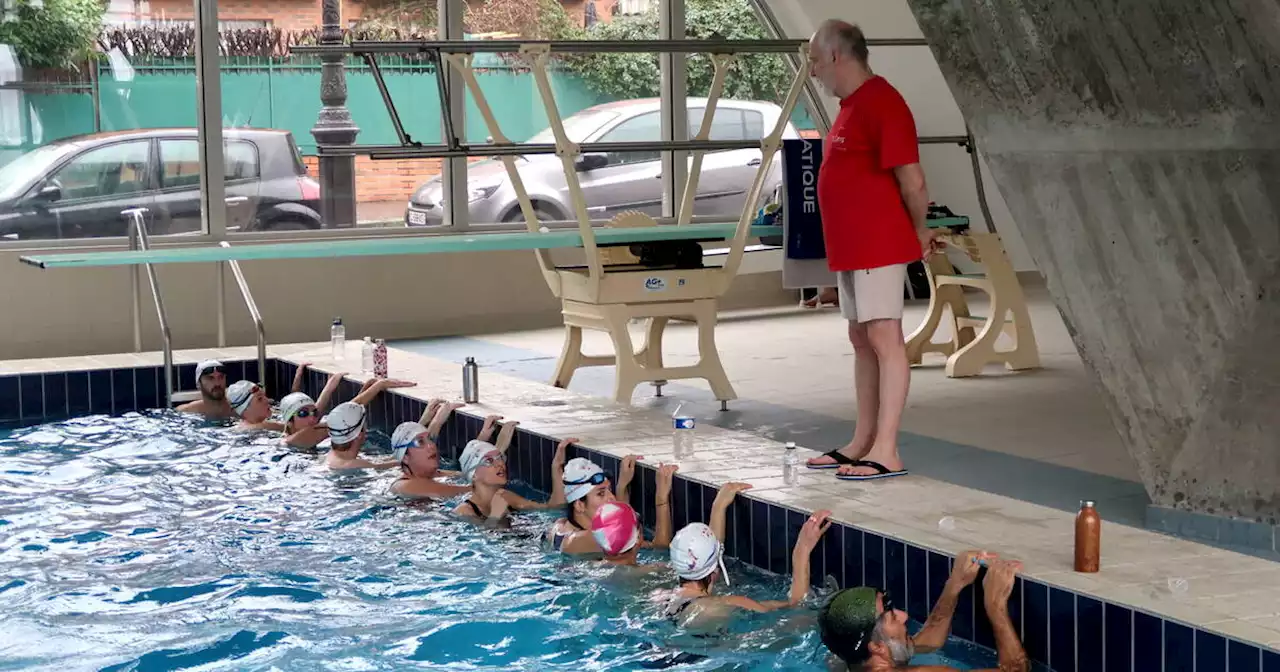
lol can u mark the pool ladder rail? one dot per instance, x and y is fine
(139, 240)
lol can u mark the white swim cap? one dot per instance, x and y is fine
(696, 553)
(240, 394)
(205, 366)
(405, 437)
(580, 476)
(345, 422)
(292, 403)
(473, 456)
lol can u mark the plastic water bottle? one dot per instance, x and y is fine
(682, 434)
(380, 359)
(366, 356)
(470, 381)
(338, 339)
(790, 464)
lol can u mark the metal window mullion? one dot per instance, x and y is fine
(213, 205)
(454, 169)
(674, 93)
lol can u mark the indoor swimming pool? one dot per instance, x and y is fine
(155, 541)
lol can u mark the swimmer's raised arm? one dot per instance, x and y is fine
(626, 472)
(326, 395)
(300, 376)
(805, 543)
(374, 386)
(557, 471)
(486, 430)
(721, 504)
(505, 435)
(662, 529)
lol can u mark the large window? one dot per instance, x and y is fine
(132, 111)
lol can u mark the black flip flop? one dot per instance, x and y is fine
(836, 455)
(882, 472)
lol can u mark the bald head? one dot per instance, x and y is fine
(840, 39)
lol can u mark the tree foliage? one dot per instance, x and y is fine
(633, 75)
(53, 33)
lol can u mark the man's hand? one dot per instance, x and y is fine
(966, 568)
(929, 242)
(666, 473)
(812, 532)
(727, 492)
(999, 583)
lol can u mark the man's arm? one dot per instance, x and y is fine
(938, 626)
(996, 588)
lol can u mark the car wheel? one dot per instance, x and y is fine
(543, 214)
(288, 225)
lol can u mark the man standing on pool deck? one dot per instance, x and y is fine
(211, 380)
(872, 196)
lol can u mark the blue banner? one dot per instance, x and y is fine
(800, 162)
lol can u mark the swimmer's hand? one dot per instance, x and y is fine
(966, 568)
(999, 583)
(557, 460)
(666, 474)
(391, 383)
(486, 431)
(810, 533)
(727, 492)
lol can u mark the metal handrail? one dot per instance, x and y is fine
(249, 303)
(139, 240)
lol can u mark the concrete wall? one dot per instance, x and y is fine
(62, 312)
(915, 72)
(1137, 146)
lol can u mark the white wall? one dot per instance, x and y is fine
(914, 71)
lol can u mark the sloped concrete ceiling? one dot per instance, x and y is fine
(1136, 146)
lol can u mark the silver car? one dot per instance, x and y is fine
(615, 182)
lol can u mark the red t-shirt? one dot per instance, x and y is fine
(864, 221)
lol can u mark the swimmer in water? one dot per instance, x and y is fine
(862, 628)
(697, 556)
(484, 466)
(302, 425)
(586, 488)
(250, 403)
(413, 444)
(616, 526)
(346, 423)
(211, 380)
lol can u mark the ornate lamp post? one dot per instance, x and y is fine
(334, 127)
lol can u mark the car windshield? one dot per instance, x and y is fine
(17, 174)
(577, 128)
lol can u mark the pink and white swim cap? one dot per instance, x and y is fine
(616, 527)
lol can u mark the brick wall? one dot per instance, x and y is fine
(283, 14)
(386, 180)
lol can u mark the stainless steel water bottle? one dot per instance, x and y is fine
(471, 381)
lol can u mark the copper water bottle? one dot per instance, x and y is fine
(1088, 538)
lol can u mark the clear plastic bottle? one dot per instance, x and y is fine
(683, 428)
(790, 464)
(338, 339)
(366, 356)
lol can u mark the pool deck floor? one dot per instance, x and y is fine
(1005, 457)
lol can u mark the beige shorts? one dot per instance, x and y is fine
(873, 294)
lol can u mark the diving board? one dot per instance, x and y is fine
(373, 247)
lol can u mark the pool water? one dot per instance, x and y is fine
(156, 541)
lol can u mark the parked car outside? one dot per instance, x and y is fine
(77, 187)
(614, 182)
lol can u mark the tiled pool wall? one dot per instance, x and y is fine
(1062, 630)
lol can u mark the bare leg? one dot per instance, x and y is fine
(866, 375)
(894, 372)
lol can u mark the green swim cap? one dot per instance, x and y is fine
(846, 623)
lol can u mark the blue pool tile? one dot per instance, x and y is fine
(1148, 643)
(1243, 657)
(1211, 652)
(55, 396)
(10, 398)
(77, 394)
(1179, 648)
(895, 570)
(100, 392)
(186, 378)
(873, 560)
(983, 634)
(123, 391)
(740, 521)
(759, 534)
(146, 381)
(648, 477)
(1118, 639)
(693, 502)
(1062, 629)
(1035, 621)
(236, 371)
(917, 583)
(546, 450)
(516, 461)
(1088, 633)
(31, 391)
(939, 568)
(1015, 606)
(612, 467)
(1270, 661)
(854, 562)
(962, 624)
(833, 564)
(795, 521)
(778, 551)
(679, 504)
(708, 499)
